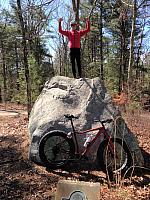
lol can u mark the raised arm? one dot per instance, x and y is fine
(60, 28)
(87, 29)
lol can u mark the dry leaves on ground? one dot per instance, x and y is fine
(21, 179)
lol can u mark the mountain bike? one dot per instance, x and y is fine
(57, 148)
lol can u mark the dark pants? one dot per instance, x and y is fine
(75, 55)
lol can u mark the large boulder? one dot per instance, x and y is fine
(85, 98)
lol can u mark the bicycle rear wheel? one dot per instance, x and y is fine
(118, 161)
(55, 149)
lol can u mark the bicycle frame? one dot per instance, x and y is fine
(101, 130)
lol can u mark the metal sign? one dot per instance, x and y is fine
(76, 195)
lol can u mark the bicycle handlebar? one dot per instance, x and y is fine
(106, 121)
(70, 117)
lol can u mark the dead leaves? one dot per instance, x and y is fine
(20, 179)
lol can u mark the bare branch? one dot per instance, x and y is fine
(47, 3)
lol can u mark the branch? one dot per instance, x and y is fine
(90, 13)
(74, 5)
(131, 5)
(78, 3)
(93, 6)
(144, 3)
(45, 3)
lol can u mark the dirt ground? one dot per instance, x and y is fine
(22, 180)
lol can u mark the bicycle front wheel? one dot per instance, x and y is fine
(114, 156)
(55, 149)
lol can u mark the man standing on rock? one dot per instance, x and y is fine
(74, 37)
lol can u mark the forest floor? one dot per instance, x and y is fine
(22, 180)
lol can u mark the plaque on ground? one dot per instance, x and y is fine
(77, 190)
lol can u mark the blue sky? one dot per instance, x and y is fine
(4, 4)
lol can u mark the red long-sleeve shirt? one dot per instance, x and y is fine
(75, 35)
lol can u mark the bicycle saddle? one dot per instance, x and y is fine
(70, 117)
(106, 121)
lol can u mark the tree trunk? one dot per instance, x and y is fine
(131, 56)
(17, 67)
(4, 74)
(60, 62)
(0, 94)
(64, 57)
(101, 41)
(25, 56)
(140, 45)
(75, 5)
(123, 50)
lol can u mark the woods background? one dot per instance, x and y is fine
(117, 49)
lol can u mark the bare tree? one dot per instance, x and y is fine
(25, 55)
(4, 72)
(101, 41)
(123, 49)
(76, 4)
(2, 32)
(132, 42)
